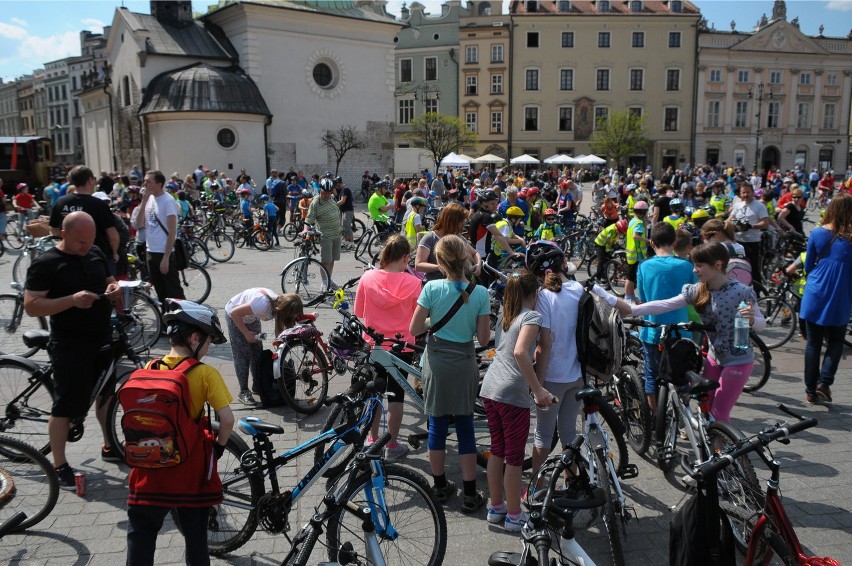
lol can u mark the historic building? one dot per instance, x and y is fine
(773, 96)
(575, 62)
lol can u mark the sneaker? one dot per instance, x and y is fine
(65, 473)
(515, 524)
(442, 494)
(332, 286)
(396, 452)
(496, 515)
(472, 503)
(246, 398)
(369, 442)
(810, 399)
(823, 392)
(110, 454)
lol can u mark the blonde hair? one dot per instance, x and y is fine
(714, 226)
(452, 254)
(521, 284)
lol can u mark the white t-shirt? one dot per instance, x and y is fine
(559, 314)
(161, 208)
(753, 212)
(260, 300)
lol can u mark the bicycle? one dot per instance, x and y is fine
(219, 244)
(768, 531)
(15, 233)
(29, 486)
(28, 391)
(389, 491)
(256, 235)
(305, 275)
(372, 240)
(195, 280)
(14, 323)
(33, 247)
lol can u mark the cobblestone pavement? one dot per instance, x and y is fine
(92, 529)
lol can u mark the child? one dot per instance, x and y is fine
(549, 229)
(245, 208)
(637, 247)
(610, 211)
(505, 394)
(604, 244)
(271, 217)
(191, 329)
(676, 218)
(305, 203)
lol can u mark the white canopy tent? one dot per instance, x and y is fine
(455, 160)
(559, 159)
(524, 160)
(469, 158)
(591, 159)
(489, 158)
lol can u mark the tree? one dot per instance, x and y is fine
(621, 136)
(440, 134)
(340, 142)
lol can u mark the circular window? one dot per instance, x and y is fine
(226, 138)
(323, 75)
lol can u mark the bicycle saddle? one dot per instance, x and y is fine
(699, 384)
(253, 426)
(37, 338)
(307, 317)
(589, 393)
(503, 558)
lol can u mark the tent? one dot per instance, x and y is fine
(559, 159)
(467, 157)
(454, 160)
(591, 159)
(489, 158)
(524, 160)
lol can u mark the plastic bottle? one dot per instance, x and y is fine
(741, 329)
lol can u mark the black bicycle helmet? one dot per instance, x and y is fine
(676, 205)
(484, 195)
(543, 257)
(338, 180)
(182, 315)
(346, 339)
(307, 194)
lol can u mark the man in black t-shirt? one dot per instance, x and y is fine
(106, 236)
(72, 285)
(105, 183)
(347, 212)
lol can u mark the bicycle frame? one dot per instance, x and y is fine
(598, 439)
(696, 422)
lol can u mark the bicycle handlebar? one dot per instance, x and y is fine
(690, 325)
(378, 337)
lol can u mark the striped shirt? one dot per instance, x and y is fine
(326, 215)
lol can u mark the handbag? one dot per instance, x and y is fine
(180, 255)
(450, 313)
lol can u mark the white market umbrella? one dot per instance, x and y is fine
(453, 159)
(524, 160)
(559, 159)
(489, 158)
(592, 159)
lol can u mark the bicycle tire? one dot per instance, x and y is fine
(634, 410)
(358, 228)
(22, 265)
(665, 431)
(615, 272)
(306, 277)
(742, 525)
(198, 252)
(14, 235)
(262, 239)
(220, 246)
(610, 422)
(291, 231)
(13, 323)
(377, 242)
(303, 393)
(147, 323)
(762, 368)
(612, 524)
(196, 283)
(27, 403)
(422, 540)
(738, 483)
(780, 321)
(336, 417)
(28, 483)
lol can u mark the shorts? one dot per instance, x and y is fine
(509, 427)
(632, 270)
(392, 385)
(76, 369)
(348, 216)
(329, 250)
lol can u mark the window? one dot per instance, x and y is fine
(741, 114)
(470, 120)
(773, 113)
(226, 138)
(532, 79)
(634, 112)
(602, 79)
(742, 76)
(323, 76)
(566, 79)
(496, 84)
(601, 116)
(531, 118)
(715, 75)
(635, 5)
(405, 71)
(803, 118)
(65, 92)
(673, 79)
(829, 111)
(431, 69)
(676, 6)
(831, 79)
(603, 39)
(603, 6)
(532, 39)
(497, 53)
(125, 90)
(804, 78)
(775, 77)
(801, 158)
(563, 6)
(712, 156)
(431, 105)
(670, 124)
(674, 39)
(566, 119)
(636, 79)
(638, 39)
(567, 39)
(532, 6)
(73, 83)
(406, 111)
(65, 121)
(497, 122)
(471, 54)
(470, 85)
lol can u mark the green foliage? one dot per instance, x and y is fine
(619, 137)
(440, 134)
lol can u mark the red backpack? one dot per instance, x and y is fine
(159, 431)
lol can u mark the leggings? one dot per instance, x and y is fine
(246, 356)
(509, 427)
(564, 415)
(439, 426)
(731, 380)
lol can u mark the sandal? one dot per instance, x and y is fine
(442, 494)
(472, 503)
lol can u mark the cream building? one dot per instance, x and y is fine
(575, 62)
(773, 97)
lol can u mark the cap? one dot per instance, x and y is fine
(477, 182)
(21, 186)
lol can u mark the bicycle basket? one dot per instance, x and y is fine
(678, 358)
(301, 332)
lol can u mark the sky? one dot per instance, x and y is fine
(33, 32)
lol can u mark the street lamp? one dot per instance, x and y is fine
(759, 96)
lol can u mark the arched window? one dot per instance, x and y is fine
(125, 90)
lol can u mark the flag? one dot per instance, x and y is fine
(14, 164)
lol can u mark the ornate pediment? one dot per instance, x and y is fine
(780, 37)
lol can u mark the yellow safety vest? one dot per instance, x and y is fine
(630, 202)
(799, 284)
(674, 222)
(607, 237)
(496, 248)
(411, 230)
(720, 203)
(635, 252)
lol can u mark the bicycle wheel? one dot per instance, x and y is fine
(337, 417)
(306, 277)
(14, 234)
(665, 430)
(616, 275)
(358, 228)
(21, 265)
(610, 423)
(762, 367)
(738, 483)
(220, 246)
(291, 231)
(304, 376)
(262, 239)
(377, 242)
(27, 402)
(147, 324)
(633, 409)
(406, 503)
(578, 252)
(612, 523)
(780, 321)
(13, 323)
(198, 252)
(28, 483)
(742, 525)
(196, 283)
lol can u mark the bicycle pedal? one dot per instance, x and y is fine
(629, 472)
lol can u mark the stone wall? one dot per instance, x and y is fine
(127, 128)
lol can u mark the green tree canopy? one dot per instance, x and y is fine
(620, 136)
(440, 134)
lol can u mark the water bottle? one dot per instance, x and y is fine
(741, 329)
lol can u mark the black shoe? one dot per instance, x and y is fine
(823, 393)
(110, 454)
(65, 473)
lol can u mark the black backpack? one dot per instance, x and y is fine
(695, 540)
(270, 395)
(600, 338)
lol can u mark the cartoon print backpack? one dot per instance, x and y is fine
(159, 431)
